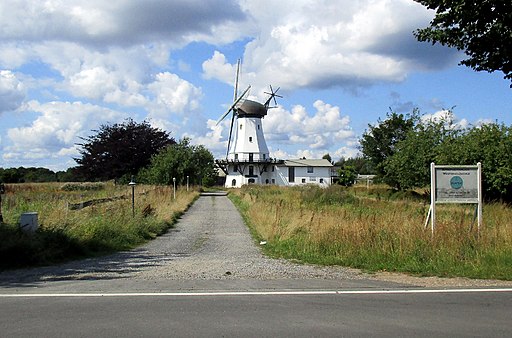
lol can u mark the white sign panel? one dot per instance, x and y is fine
(456, 185)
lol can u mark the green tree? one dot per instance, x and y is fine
(479, 28)
(179, 161)
(491, 145)
(380, 141)
(409, 166)
(347, 175)
(361, 164)
(120, 150)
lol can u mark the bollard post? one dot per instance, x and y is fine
(174, 186)
(187, 182)
(132, 184)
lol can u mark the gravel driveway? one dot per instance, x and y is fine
(210, 242)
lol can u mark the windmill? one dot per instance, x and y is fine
(247, 154)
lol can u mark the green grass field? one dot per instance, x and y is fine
(377, 229)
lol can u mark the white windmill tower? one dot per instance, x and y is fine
(247, 159)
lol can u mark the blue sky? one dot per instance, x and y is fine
(66, 67)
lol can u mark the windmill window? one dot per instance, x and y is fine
(273, 168)
(264, 156)
(233, 183)
(236, 157)
(250, 138)
(273, 181)
(321, 180)
(240, 127)
(258, 126)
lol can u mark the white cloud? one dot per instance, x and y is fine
(217, 67)
(121, 22)
(312, 135)
(305, 43)
(173, 95)
(56, 130)
(12, 92)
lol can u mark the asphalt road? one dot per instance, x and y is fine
(179, 285)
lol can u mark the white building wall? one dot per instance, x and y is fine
(248, 139)
(320, 176)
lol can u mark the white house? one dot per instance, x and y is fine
(278, 172)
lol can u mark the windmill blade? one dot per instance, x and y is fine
(230, 132)
(273, 95)
(233, 105)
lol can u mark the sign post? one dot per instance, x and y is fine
(455, 184)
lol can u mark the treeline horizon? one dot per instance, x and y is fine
(38, 175)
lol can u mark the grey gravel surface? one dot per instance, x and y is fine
(210, 242)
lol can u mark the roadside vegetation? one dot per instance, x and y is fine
(378, 229)
(98, 229)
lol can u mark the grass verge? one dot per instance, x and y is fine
(340, 226)
(100, 229)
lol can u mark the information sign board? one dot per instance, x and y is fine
(456, 185)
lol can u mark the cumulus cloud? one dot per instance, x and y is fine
(56, 130)
(173, 95)
(121, 22)
(307, 43)
(313, 135)
(12, 92)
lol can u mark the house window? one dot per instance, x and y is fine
(250, 138)
(266, 181)
(310, 170)
(273, 181)
(233, 183)
(273, 168)
(321, 180)
(303, 180)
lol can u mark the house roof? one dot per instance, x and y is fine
(307, 163)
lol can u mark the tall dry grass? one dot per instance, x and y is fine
(365, 230)
(101, 228)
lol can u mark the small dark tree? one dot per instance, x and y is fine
(120, 149)
(480, 28)
(327, 157)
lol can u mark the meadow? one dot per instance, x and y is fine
(70, 232)
(377, 229)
